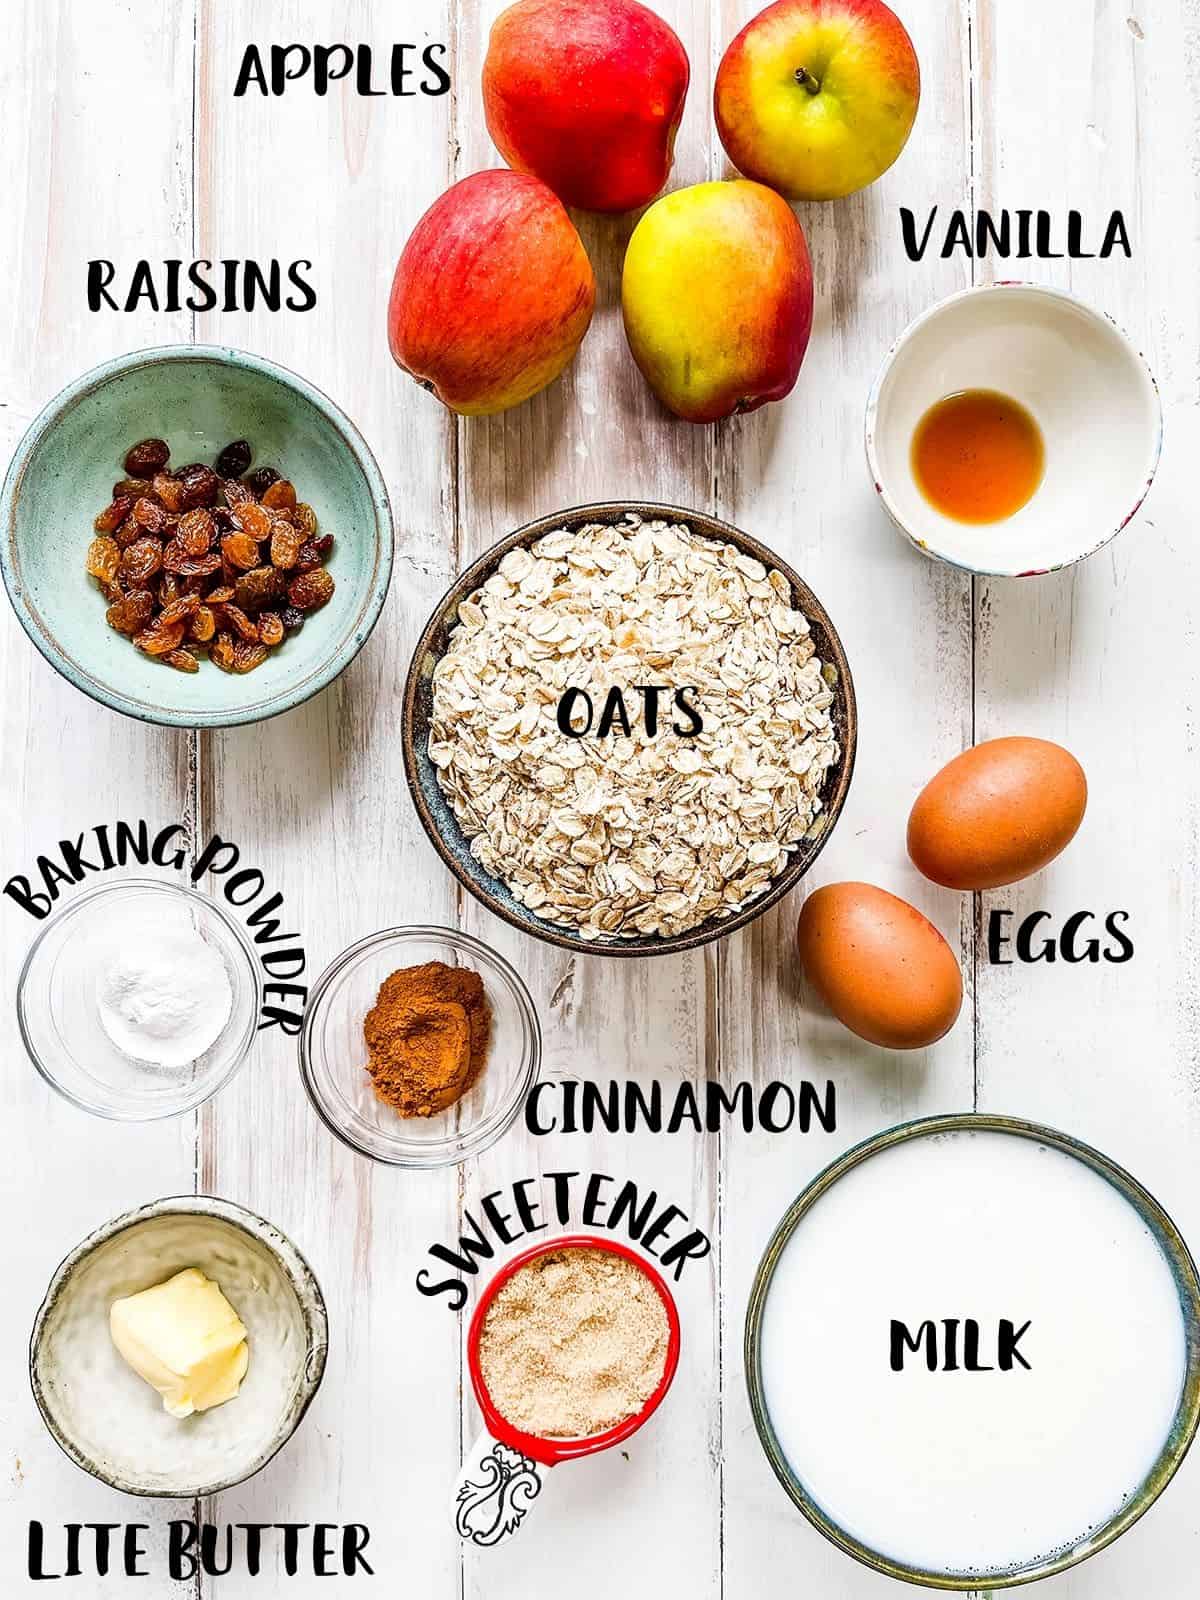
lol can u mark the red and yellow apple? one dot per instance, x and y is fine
(717, 296)
(492, 293)
(586, 95)
(817, 97)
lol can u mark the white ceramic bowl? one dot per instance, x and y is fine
(107, 1419)
(1089, 389)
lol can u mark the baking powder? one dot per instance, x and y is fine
(166, 996)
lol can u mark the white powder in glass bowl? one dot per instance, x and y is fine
(165, 998)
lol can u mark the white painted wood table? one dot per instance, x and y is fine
(121, 138)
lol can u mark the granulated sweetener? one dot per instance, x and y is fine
(573, 1344)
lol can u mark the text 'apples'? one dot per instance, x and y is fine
(492, 293)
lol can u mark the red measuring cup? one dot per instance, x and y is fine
(503, 1474)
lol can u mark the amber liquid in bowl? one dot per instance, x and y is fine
(978, 455)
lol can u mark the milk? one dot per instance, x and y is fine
(961, 1470)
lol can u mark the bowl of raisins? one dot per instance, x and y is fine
(196, 536)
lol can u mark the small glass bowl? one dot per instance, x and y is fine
(333, 1052)
(58, 1014)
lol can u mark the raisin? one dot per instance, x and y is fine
(236, 493)
(305, 518)
(311, 590)
(219, 596)
(142, 559)
(182, 660)
(261, 479)
(111, 518)
(248, 656)
(240, 550)
(128, 532)
(149, 514)
(158, 639)
(254, 520)
(199, 485)
(204, 625)
(258, 588)
(200, 566)
(235, 459)
(168, 489)
(196, 532)
(309, 557)
(145, 459)
(181, 610)
(292, 619)
(324, 546)
(285, 545)
(131, 488)
(169, 589)
(270, 629)
(132, 613)
(221, 654)
(112, 590)
(280, 496)
(104, 558)
(234, 617)
(222, 518)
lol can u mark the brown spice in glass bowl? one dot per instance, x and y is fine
(206, 561)
(427, 1037)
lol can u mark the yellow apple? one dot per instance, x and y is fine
(817, 97)
(717, 297)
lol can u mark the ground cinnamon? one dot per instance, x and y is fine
(427, 1037)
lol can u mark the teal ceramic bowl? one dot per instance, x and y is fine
(198, 398)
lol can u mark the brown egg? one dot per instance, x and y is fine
(880, 966)
(997, 813)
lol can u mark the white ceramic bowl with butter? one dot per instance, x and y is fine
(1087, 387)
(107, 1419)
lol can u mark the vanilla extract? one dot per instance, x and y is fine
(578, 1105)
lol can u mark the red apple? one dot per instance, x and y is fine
(586, 95)
(492, 294)
(817, 97)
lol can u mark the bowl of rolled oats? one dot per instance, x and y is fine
(629, 729)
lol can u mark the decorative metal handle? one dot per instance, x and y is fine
(494, 1492)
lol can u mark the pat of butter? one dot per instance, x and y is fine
(185, 1339)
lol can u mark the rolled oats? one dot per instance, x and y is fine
(624, 836)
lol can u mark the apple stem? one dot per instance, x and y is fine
(811, 83)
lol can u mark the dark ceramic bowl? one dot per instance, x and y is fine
(438, 817)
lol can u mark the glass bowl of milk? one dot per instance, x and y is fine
(139, 999)
(973, 1352)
